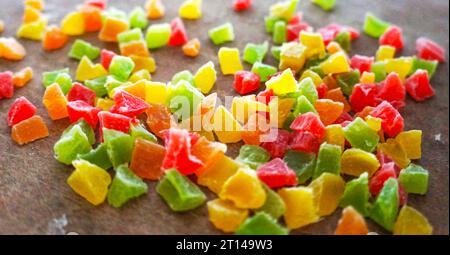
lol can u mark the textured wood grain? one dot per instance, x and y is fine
(33, 188)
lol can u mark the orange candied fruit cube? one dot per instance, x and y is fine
(55, 102)
(351, 223)
(192, 48)
(29, 130)
(54, 38)
(37, 4)
(31, 14)
(365, 112)
(111, 28)
(256, 127)
(208, 152)
(333, 47)
(2, 26)
(22, 77)
(158, 119)
(337, 96)
(137, 48)
(92, 18)
(146, 160)
(11, 49)
(155, 9)
(143, 63)
(329, 110)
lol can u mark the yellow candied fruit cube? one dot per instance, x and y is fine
(412, 222)
(313, 42)
(385, 52)
(218, 173)
(73, 24)
(336, 63)
(229, 60)
(314, 77)
(143, 74)
(328, 190)
(402, 66)
(225, 216)
(395, 151)
(137, 89)
(207, 134)
(283, 84)
(88, 71)
(37, 4)
(293, 56)
(300, 208)
(104, 103)
(279, 109)
(244, 189)
(143, 63)
(356, 161)
(89, 181)
(155, 92)
(367, 78)
(335, 135)
(225, 126)
(206, 77)
(411, 142)
(374, 123)
(155, 9)
(33, 30)
(243, 107)
(334, 47)
(191, 9)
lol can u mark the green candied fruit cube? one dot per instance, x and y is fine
(179, 95)
(253, 156)
(302, 163)
(98, 156)
(130, 36)
(180, 193)
(138, 18)
(318, 70)
(276, 52)
(143, 74)
(48, 78)
(279, 32)
(255, 52)
(158, 35)
(98, 86)
(139, 131)
(261, 224)
(328, 160)
(65, 82)
(284, 9)
(374, 26)
(414, 179)
(303, 105)
(121, 67)
(344, 40)
(183, 76)
(115, 13)
(274, 205)
(112, 83)
(361, 136)
(379, 69)
(287, 123)
(71, 144)
(326, 5)
(81, 48)
(119, 146)
(270, 23)
(307, 88)
(85, 127)
(357, 194)
(347, 81)
(264, 71)
(222, 34)
(125, 186)
(429, 65)
(385, 208)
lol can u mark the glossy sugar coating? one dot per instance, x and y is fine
(302, 163)
(55, 102)
(385, 52)
(328, 190)
(395, 151)
(86, 70)
(225, 216)
(244, 189)
(29, 130)
(226, 127)
(158, 35)
(274, 205)
(282, 84)
(98, 156)
(252, 156)
(261, 224)
(293, 56)
(300, 208)
(125, 186)
(336, 63)
(33, 30)
(411, 142)
(120, 146)
(255, 52)
(155, 9)
(73, 24)
(328, 160)
(82, 48)
(279, 32)
(351, 223)
(335, 135)
(112, 27)
(356, 161)
(361, 136)
(179, 192)
(412, 222)
(414, 179)
(205, 77)
(89, 181)
(191, 9)
(218, 173)
(356, 194)
(385, 208)
(314, 44)
(229, 60)
(374, 26)
(144, 165)
(222, 34)
(73, 141)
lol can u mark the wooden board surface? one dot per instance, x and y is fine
(33, 189)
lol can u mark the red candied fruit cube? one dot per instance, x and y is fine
(178, 36)
(345, 116)
(311, 123)
(82, 93)
(246, 82)
(429, 50)
(305, 141)
(293, 30)
(101, 4)
(392, 37)
(362, 63)
(114, 121)
(277, 174)
(392, 90)
(20, 110)
(106, 57)
(128, 105)
(330, 32)
(82, 110)
(242, 5)
(392, 121)
(385, 159)
(297, 19)
(363, 95)
(277, 142)
(265, 96)
(418, 86)
(6, 85)
(403, 195)
(377, 181)
(322, 90)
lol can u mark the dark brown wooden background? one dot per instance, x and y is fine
(33, 188)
